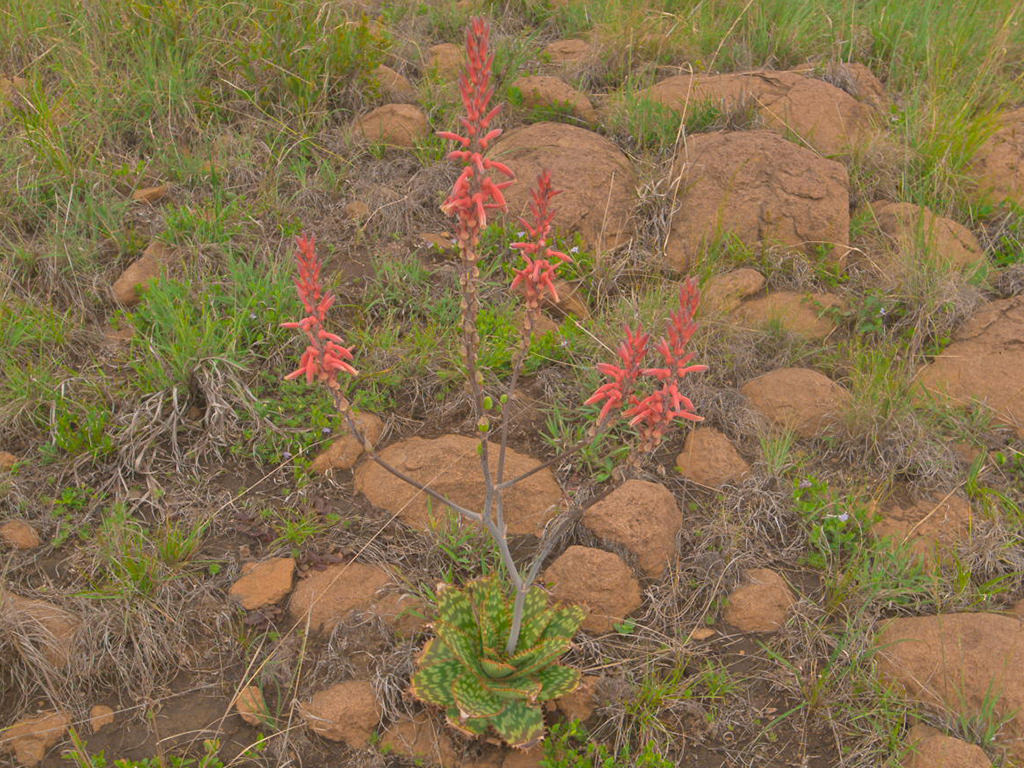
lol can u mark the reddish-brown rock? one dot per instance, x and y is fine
(394, 86)
(929, 748)
(451, 465)
(597, 180)
(406, 615)
(644, 518)
(581, 703)
(346, 712)
(964, 665)
(346, 450)
(813, 112)
(446, 60)
(723, 293)
(252, 707)
(801, 314)
(7, 461)
(263, 583)
(357, 210)
(31, 737)
(18, 534)
(860, 82)
(151, 195)
(100, 716)
(326, 597)
(799, 399)
(397, 125)
(761, 603)
(570, 300)
(522, 758)
(566, 53)
(998, 165)
(599, 581)
(930, 529)
(45, 626)
(984, 364)
(709, 458)
(760, 188)
(149, 266)
(422, 739)
(915, 233)
(547, 91)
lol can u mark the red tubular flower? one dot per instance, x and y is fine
(537, 276)
(325, 357)
(620, 389)
(655, 412)
(475, 192)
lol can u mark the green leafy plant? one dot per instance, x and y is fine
(494, 657)
(571, 746)
(79, 756)
(467, 670)
(837, 523)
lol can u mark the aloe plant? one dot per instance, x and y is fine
(466, 670)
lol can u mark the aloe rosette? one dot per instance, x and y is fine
(465, 669)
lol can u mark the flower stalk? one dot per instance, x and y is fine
(648, 396)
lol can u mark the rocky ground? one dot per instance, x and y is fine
(827, 571)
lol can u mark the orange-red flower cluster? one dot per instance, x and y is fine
(538, 274)
(655, 412)
(325, 357)
(475, 192)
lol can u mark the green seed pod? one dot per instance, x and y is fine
(488, 403)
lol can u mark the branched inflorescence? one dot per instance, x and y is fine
(537, 276)
(656, 411)
(325, 357)
(475, 192)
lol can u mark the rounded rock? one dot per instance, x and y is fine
(599, 581)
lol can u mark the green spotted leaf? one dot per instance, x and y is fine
(529, 660)
(557, 680)
(471, 726)
(455, 609)
(494, 608)
(438, 670)
(496, 669)
(520, 724)
(473, 699)
(528, 689)
(565, 623)
(466, 671)
(465, 647)
(536, 617)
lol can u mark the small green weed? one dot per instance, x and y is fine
(293, 53)
(134, 561)
(569, 745)
(70, 508)
(777, 452)
(646, 124)
(79, 755)
(598, 457)
(467, 549)
(294, 528)
(235, 321)
(837, 523)
(559, 112)
(80, 428)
